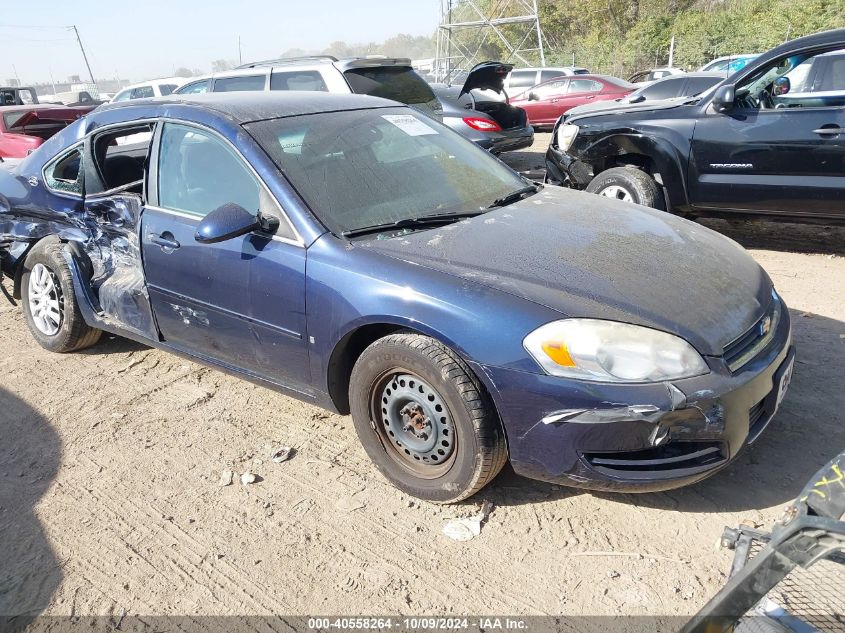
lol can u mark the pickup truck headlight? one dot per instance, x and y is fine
(609, 351)
(566, 133)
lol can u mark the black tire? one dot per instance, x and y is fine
(476, 450)
(637, 184)
(72, 333)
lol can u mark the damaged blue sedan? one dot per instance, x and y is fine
(362, 257)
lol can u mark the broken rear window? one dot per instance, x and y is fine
(65, 173)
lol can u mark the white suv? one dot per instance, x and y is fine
(377, 76)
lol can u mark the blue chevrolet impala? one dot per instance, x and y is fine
(362, 257)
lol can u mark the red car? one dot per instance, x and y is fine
(24, 128)
(545, 102)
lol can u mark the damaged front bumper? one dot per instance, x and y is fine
(566, 170)
(639, 437)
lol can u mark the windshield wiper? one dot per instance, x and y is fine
(515, 196)
(410, 223)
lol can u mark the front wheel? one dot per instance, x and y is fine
(628, 184)
(424, 419)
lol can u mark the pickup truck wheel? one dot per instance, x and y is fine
(628, 184)
(49, 305)
(424, 418)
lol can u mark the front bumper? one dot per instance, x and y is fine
(638, 438)
(566, 170)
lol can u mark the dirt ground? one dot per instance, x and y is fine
(110, 503)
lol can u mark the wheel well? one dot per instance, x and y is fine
(344, 355)
(640, 161)
(18, 266)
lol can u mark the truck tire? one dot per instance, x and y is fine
(629, 184)
(424, 419)
(49, 303)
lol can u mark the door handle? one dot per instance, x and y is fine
(829, 131)
(590, 97)
(165, 240)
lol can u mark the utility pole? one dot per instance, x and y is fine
(240, 56)
(672, 51)
(84, 56)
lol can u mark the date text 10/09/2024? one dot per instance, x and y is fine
(417, 623)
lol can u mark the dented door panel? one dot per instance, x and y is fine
(117, 273)
(240, 302)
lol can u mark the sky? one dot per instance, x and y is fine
(142, 39)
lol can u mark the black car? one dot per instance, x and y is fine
(764, 142)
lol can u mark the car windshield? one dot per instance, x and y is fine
(367, 168)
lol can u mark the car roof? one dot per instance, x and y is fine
(152, 82)
(609, 78)
(247, 106)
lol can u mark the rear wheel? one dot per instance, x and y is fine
(629, 185)
(424, 419)
(49, 305)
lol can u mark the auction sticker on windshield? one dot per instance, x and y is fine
(409, 124)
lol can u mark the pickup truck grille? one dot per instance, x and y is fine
(748, 345)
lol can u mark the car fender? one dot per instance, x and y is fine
(481, 324)
(666, 158)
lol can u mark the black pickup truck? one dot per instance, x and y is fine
(769, 140)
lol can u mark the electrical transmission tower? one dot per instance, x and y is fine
(467, 26)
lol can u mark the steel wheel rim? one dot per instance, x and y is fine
(414, 423)
(46, 303)
(615, 191)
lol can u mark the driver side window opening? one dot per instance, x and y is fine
(198, 173)
(815, 80)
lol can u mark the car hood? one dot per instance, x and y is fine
(487, 76)
(588, 256)
(619, 107)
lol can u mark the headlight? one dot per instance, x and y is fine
(566, 133)
(608, 351)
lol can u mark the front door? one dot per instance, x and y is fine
(780, 149)
(544, 108)
(240, 302)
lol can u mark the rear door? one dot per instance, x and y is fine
(763, 158)
(240, 302)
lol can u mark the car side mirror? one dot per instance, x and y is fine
(232, 220)
(724, 97)
(533, 96)
(781, 87)
(637, 99)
